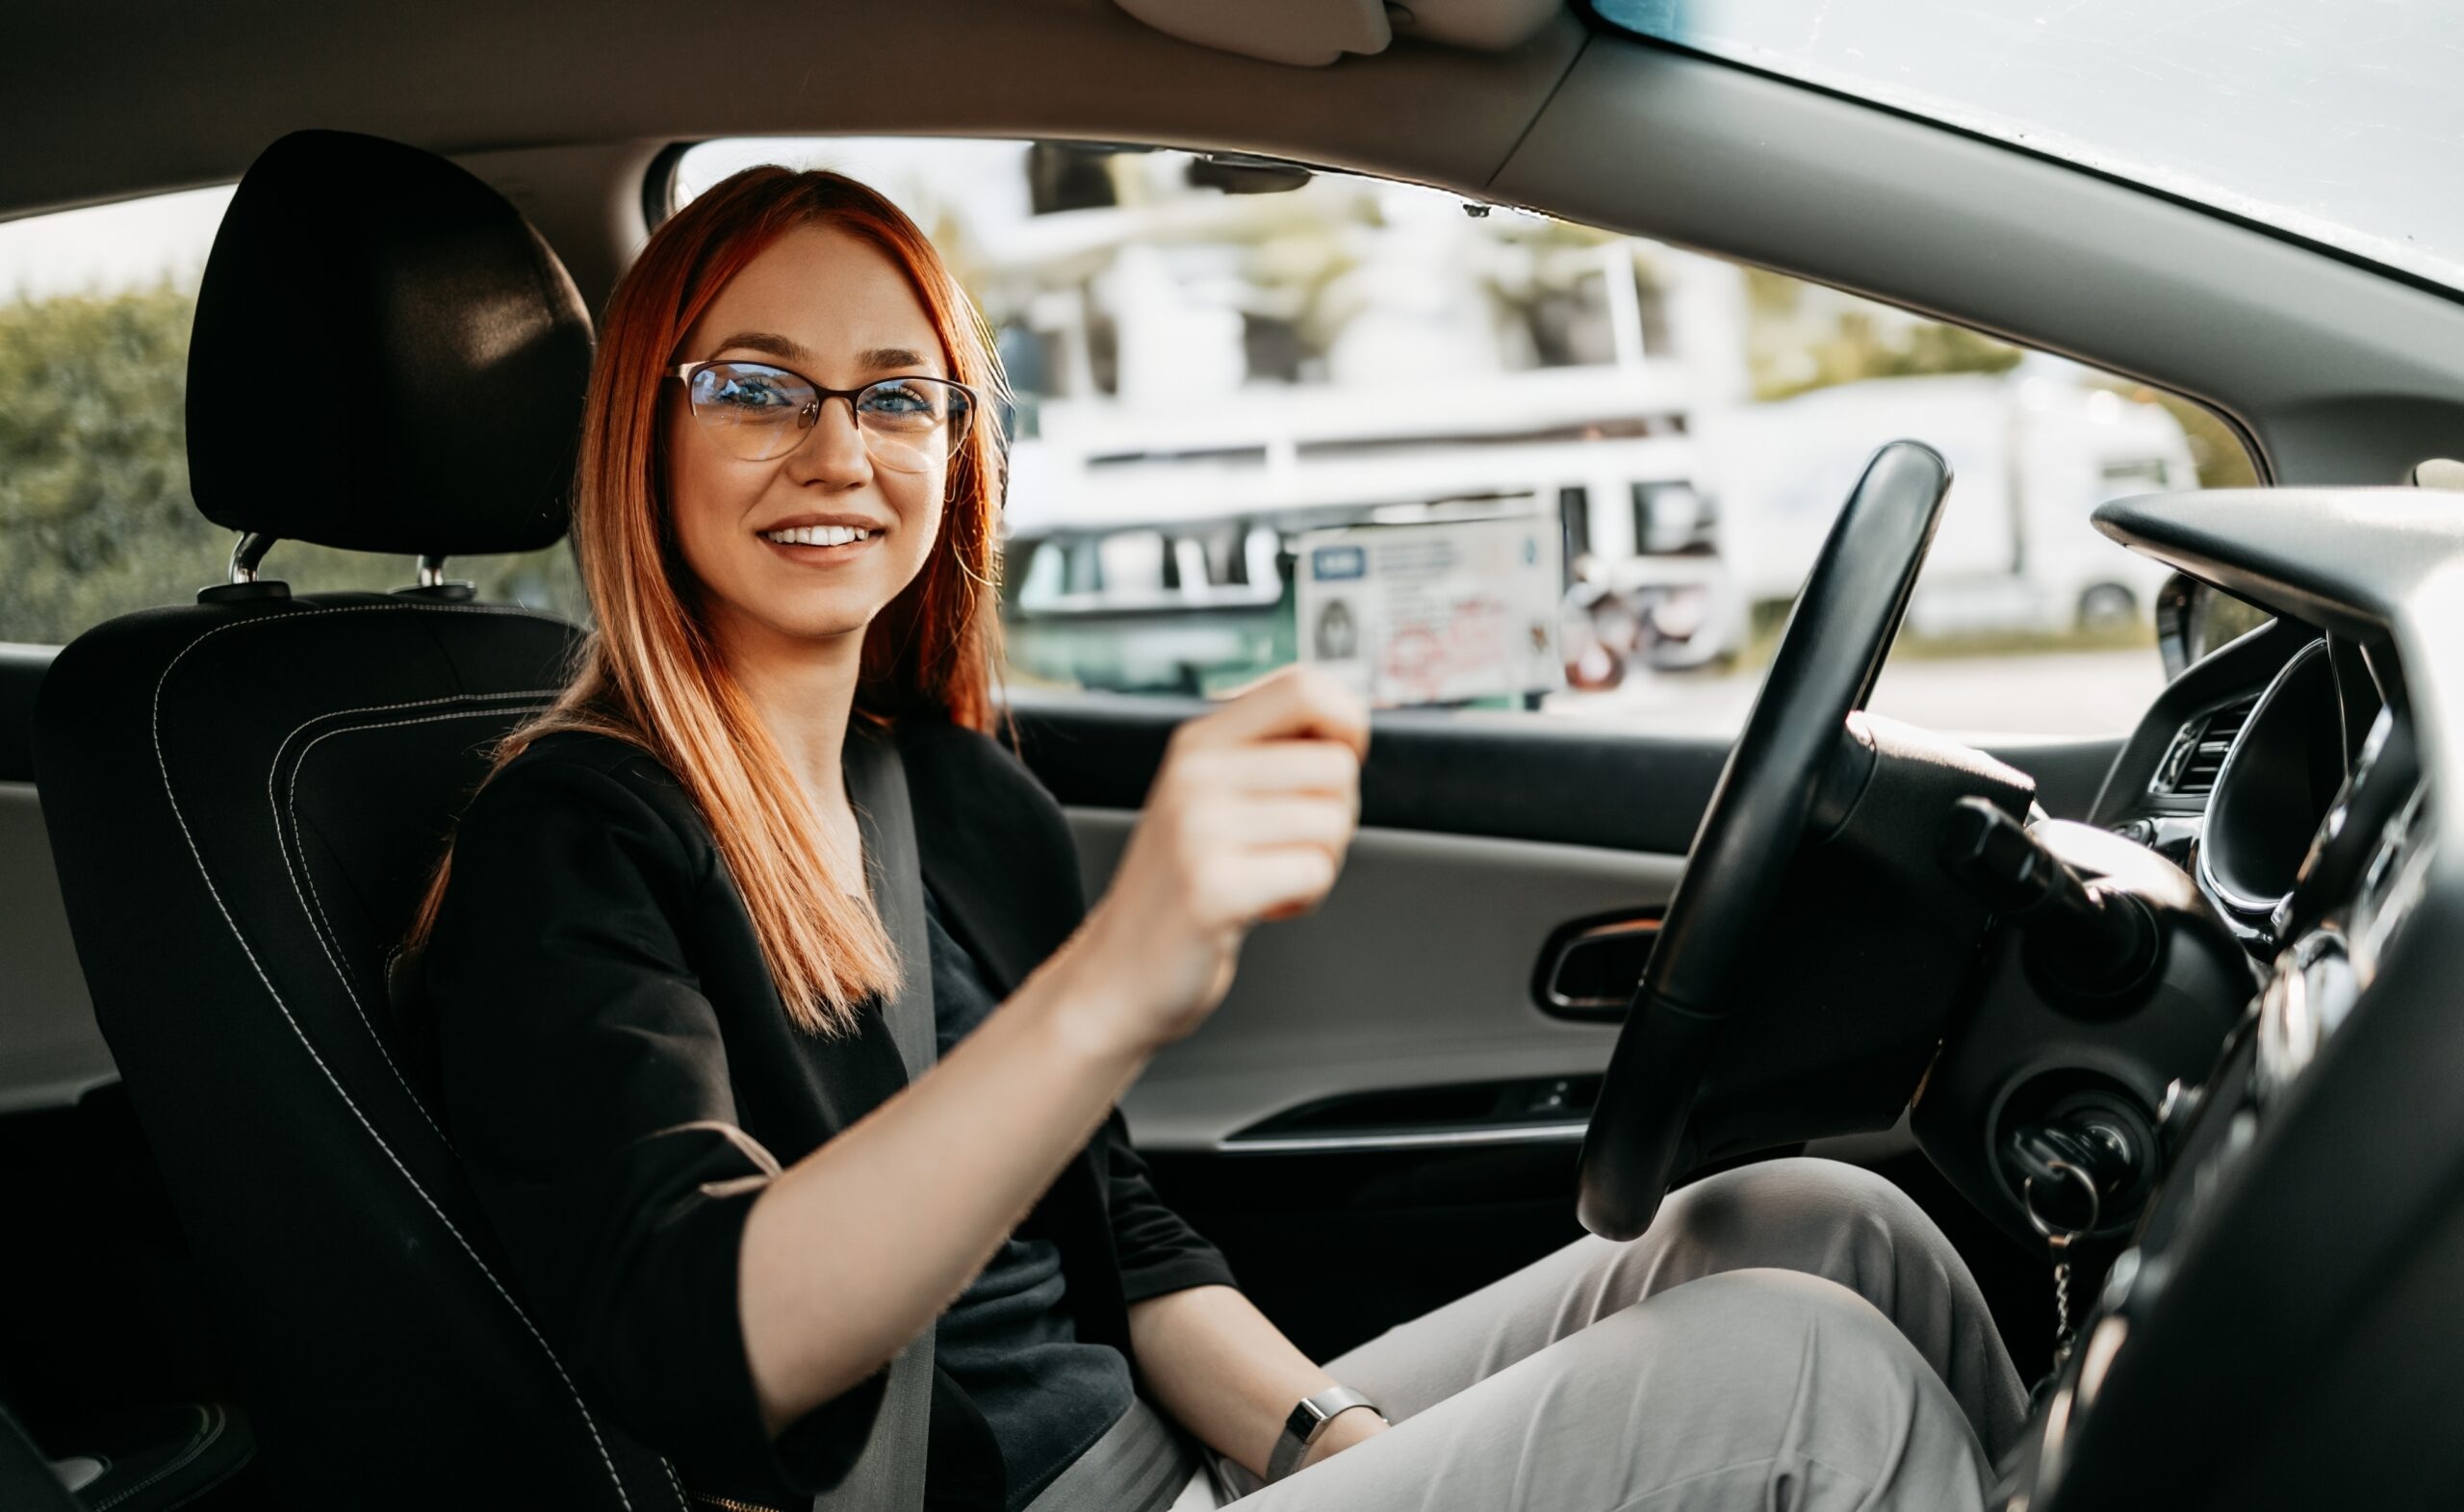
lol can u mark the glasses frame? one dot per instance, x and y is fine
(809, 419)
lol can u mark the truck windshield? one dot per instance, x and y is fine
(2337, 123)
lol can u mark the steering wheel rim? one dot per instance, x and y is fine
(1829, 657)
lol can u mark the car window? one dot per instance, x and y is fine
(1364, 422)
(2329, 121)
(95, 518)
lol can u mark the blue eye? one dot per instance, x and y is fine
(746, 391)
(748, 394)
(900, 401)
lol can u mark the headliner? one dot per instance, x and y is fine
(161, 96)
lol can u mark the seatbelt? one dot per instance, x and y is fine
(888, 1472)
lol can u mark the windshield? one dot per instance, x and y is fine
(2339, 123)
(1497, 462)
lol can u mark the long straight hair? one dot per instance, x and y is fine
(650, 672)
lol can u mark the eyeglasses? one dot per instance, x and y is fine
(759, 411)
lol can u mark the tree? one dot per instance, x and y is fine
(1803, 336)
(95, 515)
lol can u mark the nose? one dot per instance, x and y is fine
(833, 451)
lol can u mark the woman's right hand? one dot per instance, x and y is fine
(1248, 820)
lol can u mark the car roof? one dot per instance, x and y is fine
(192, 101)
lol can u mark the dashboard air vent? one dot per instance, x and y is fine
(2197, 753)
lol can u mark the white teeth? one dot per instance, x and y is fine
(817, 535)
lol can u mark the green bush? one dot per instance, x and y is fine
(94, 509)
(95, 518)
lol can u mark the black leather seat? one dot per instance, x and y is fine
(243, 795)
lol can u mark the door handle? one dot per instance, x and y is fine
(1589, 968)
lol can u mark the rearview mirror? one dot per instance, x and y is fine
(1245, 173)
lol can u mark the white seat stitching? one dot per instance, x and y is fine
(310, 900)
(210, 1419)
(162, 767)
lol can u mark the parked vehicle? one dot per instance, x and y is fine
(2033, 457)
(1169, 569)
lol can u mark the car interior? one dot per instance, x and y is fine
(2161, 1018)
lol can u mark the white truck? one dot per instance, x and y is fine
(2031, 457)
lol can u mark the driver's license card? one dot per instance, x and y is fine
(1433, 612)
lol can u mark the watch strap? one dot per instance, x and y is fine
(1308, 1424)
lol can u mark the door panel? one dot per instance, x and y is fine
(51, 1051)
(1417, 971)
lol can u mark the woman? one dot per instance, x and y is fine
(666, 996)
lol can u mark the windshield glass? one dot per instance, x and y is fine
(1473, 458)
(2339, 123)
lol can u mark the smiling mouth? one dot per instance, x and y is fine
(820, 545)
(821, 536)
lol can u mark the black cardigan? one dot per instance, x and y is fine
(620, 1079)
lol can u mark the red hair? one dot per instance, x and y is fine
(650, 673)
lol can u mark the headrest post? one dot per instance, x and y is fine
(431, 572)
(245, 554)
(241, 579)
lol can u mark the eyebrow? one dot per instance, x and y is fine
(873, 359)
(766, 342)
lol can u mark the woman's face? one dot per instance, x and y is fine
(837, 311)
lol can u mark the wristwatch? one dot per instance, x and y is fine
(1308, 1424)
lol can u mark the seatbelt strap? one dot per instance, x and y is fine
(888, 1472)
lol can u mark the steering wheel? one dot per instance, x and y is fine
(1723, 911)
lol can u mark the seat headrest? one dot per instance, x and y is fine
(387, 357)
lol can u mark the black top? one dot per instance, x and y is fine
(620, 1079)
(1010, 1338)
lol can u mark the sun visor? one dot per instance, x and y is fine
(1315, 33)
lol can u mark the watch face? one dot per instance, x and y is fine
(1308, 1421)
(1315, 1412)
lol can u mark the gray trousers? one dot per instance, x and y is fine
(1794, 1335)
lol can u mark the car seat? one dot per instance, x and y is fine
(244, 795)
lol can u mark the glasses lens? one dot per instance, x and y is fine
(754, 410)
(910, 424)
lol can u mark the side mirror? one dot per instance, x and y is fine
(2193, 618)
(2176, 608)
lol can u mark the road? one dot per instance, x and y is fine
(2062, 693)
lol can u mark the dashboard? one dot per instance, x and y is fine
(2313, 840)
(2322, 754)
(2277, 1328)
